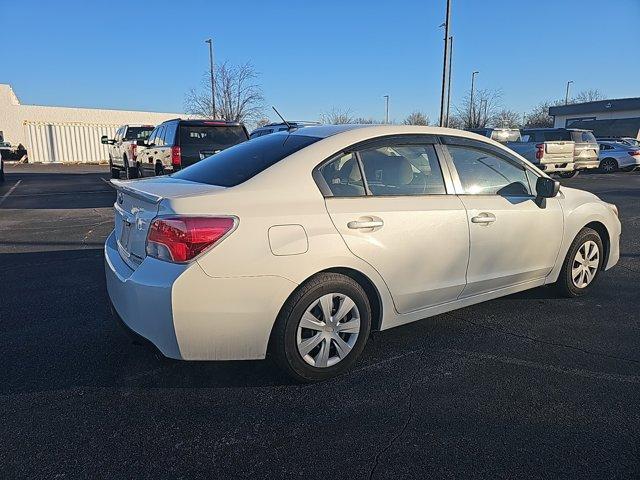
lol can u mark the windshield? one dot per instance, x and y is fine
(238, 164)
(138, 133)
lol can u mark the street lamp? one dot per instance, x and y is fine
(445, 63)
(471, 106)
(213, 88)
(566, 95)
(386, 108)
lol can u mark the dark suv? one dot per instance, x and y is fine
(178, 143)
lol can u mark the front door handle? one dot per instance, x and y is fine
(357, 224)
(484, 218)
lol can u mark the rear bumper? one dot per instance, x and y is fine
(586, 164)
(556, 167)
(189, 315)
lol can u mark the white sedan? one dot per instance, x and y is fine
(298, 244)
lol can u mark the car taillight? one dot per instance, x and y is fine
(176, 158)
(539, 151)
(180, 239)
(635, 152)
(134, 150)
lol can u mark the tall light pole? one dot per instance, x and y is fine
(449, 79)
(566, 95)
(445, 63)
(213, 88)
(386, 109)
(471, 106)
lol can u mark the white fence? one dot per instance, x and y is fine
(67, 142)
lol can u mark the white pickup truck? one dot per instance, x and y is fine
(123, 149)
(554, 156)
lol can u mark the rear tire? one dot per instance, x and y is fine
(628, 169)
(582, 264)
(571, 174)
(609, 165)
(338, 337)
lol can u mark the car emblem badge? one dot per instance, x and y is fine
(120, 198)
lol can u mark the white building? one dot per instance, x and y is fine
(616, 117)
(65, 134)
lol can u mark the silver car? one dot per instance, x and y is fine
(616, 156)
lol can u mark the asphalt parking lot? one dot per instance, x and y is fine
(527, 386)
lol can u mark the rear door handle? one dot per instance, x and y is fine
(484, 218)
(356, 224)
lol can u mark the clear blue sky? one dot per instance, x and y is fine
(316, 55)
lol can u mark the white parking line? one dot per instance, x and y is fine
(6, 195)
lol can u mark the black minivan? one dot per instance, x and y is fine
(178, 143)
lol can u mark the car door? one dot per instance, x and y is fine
(395, 208)
(514, 238)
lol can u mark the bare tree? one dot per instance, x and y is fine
(481, 112)
(367, 121)
(416, 118)
(239, 97)
(591, 95)
(506, 118)
(337, 116)
(539, 116)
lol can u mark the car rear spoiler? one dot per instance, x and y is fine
(127, 187)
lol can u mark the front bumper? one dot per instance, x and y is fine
(189, 315)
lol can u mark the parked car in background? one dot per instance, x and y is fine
(178, 143)
(123, 148)
(616, 156)
(632, 142)
(585, 149)
(300, 243)
(549, 156)
(1, 168)
(279, 127)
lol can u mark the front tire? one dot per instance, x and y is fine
(582, 264)
(322, 328)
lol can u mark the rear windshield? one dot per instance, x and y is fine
(138, 133)
(220, 137)
(582, 137)
(504, 136)
(553, 136)
(238, 164)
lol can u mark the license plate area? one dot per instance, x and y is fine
(125, 235)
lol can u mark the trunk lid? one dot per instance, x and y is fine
(138, 202)
(558, 152)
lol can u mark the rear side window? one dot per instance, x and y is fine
(343, 176)
(138, 133)
(160, 136)
(402, 170)
(211, 136)
(239, 163)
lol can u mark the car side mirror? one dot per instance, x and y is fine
(104, 140)
(547, 187)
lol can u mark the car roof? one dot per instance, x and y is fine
(202, 121)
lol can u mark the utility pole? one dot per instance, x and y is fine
(471, 105)
(449, 80)
(445, 63)
(524, 119)
(213, 88)
(386, 109)
(566, 95)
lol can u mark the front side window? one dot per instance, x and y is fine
(138, 133)
(402, 170)
(160, 137)
(484, 173)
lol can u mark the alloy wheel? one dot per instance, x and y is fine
(328, 330)
(585, 264)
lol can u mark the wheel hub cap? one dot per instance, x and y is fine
(585, 264)
(328, 330)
